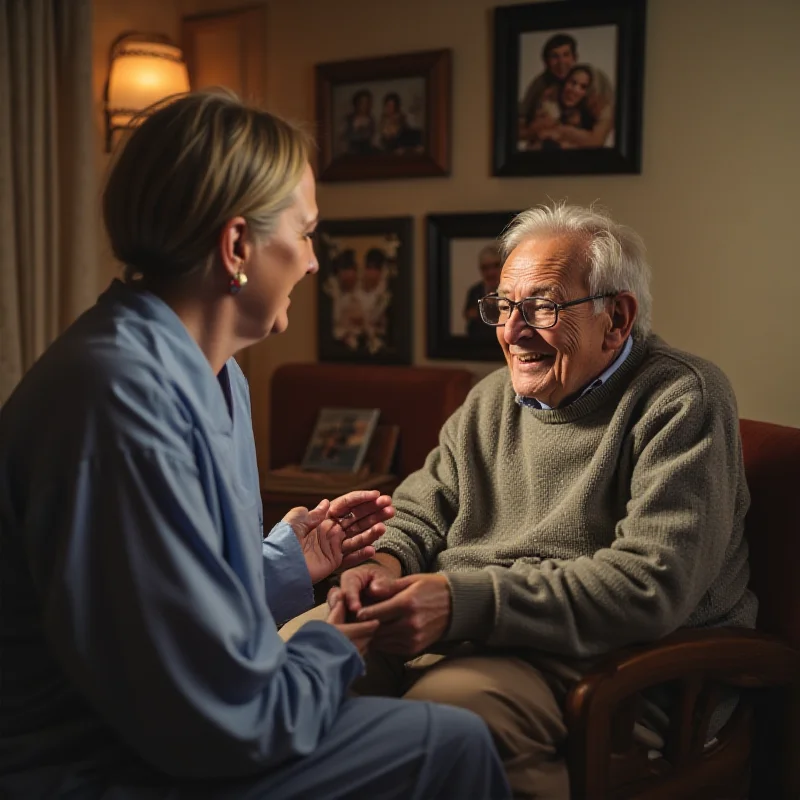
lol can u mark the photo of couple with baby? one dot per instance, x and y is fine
(570, 103)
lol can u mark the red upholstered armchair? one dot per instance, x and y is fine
(417, 400)
(759, 747)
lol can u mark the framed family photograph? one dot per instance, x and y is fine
(464, 263)
(568, 87)
(384, 117)
(364, 298)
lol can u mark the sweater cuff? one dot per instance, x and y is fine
(407, 568)
(473, 604)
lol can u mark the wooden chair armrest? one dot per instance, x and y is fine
(601, 708)
(739, 656)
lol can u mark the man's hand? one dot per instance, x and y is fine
(415, 615)
(340, 533)
(359, 633)
(367, 584)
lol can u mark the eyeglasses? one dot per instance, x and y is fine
(538, 312)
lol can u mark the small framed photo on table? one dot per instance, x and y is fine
(568, 87)
(386, 117)
(464, 264)
(340, 439)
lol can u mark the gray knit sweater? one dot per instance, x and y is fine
(614, 520)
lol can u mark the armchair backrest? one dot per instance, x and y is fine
(417, 399)
(772, 525)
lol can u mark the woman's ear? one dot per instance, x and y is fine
(234, 245)
(622, 314)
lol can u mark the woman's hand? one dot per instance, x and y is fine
(359, 633)
(361, 515)
(340, 533)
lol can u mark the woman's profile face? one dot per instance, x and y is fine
(575, 88)
(281, 261)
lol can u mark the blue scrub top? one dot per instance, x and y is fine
(138, 602)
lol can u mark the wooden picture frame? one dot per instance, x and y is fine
(364, 290)
(404, 134)
(460, 248)
(568, 87)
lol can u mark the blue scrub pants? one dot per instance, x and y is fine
(377, 749)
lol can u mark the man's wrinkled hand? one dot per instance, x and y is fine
(369, 583)
(414, 617)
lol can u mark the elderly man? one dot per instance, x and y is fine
(590, 496)
(489, 263)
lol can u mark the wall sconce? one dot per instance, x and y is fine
(143, 69)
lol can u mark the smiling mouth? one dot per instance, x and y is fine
(533, 358)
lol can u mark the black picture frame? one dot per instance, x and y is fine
(384, 333)
(416, 151)
(441, 231)
(624, 155)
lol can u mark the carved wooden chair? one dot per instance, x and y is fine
(757, 752)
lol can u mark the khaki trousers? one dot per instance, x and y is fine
(520, 704)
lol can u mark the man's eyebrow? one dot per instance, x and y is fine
(543, 290)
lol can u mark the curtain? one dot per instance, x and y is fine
(48, 191)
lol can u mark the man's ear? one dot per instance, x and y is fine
(622, 312)
(234, 245)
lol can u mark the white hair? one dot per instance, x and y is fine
(615, 255)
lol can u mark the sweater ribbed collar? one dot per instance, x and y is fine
(593, 400)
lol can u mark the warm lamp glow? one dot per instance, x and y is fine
(143, 69)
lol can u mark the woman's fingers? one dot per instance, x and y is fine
(359, 540)
(355, 506)
(357, 557)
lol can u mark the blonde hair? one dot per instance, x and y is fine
(192, 165)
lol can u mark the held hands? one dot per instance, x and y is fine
(413, 612)
(340, 533)
(359, 633)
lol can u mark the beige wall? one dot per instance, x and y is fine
(713, 201)
(111, 18)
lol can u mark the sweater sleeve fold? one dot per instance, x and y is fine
(426, 503)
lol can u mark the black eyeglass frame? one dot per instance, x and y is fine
(556, 307)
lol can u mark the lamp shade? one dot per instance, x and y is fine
(143, 70)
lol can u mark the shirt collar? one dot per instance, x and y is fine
(532, 402)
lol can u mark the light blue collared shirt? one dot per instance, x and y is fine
(532, 402)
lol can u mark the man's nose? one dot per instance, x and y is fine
(515, 326)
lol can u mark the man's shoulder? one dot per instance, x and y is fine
(479, 411)
(495, 386)
(535, 89)
(675, 372)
